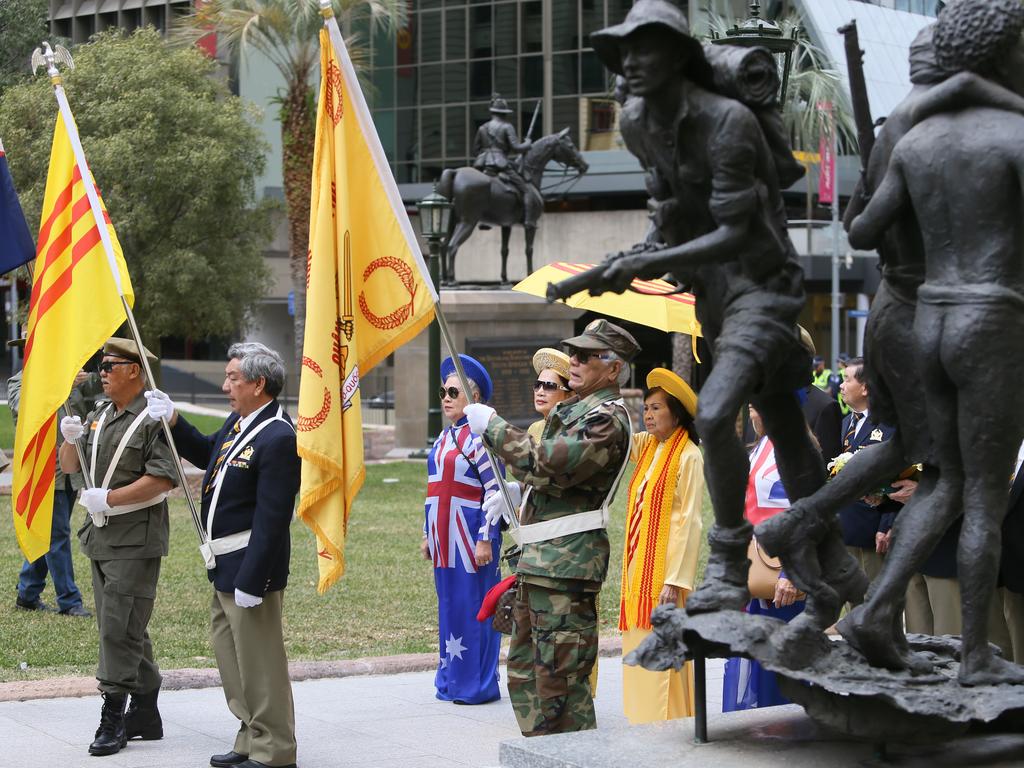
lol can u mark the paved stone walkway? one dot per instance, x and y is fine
(373, 721)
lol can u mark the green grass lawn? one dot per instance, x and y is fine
(385, 604)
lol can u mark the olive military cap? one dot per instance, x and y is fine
(127, 349)
(601, 334)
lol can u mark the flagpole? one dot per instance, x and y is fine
(108, 249)
(341, 54)
(79, 450)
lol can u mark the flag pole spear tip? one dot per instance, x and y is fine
(326, 8)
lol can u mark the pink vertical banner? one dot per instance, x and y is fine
(827, 174)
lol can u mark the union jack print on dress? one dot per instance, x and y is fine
(765, 492)
(459, 476)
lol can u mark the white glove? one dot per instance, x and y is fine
(72, 428)
(95, 500)
(245, 600)
(495, 508)
(478, 415)
(158, 405)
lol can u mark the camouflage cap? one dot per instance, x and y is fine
(127, 349)
(601, 334)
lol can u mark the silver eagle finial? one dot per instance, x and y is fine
(49, 57)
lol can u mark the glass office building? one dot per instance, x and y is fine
(432, 85)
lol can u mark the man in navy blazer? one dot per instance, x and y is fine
(248, 497)
(866, 523)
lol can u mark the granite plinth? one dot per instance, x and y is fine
(775, 736)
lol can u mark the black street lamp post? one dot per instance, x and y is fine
(435, 213)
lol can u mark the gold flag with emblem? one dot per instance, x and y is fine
(367, 293)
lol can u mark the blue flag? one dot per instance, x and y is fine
(16, 247)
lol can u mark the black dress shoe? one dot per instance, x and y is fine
(31, 605)
(258, 764)
(77, 611)
(228, 759)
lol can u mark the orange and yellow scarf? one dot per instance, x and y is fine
(649, 517)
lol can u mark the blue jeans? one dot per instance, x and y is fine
(56, 562)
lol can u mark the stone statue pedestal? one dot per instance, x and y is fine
(499, 327)
(757, 738)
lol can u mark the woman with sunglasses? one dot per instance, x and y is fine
(461, 544)
(662, 546)
(551, 386)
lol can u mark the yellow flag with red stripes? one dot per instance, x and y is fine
(367, 293)
(75, 306)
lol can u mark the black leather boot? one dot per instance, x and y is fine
(110, 737)
(142, 720)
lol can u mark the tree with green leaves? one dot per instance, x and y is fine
(176, 157)
(23, 26)
(287, 33)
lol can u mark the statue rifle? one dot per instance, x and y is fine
(858, 92)
(563, 289)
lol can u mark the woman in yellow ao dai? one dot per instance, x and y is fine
(663, 535)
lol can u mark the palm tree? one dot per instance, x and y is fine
(287, 33)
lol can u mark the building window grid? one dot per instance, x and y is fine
(411, 163)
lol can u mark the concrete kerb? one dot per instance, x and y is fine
(184, 679)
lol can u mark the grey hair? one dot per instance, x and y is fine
(623, 371)
(259, 361)
(474, 388)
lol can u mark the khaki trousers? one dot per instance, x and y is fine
(1013, 613)
(124, 592)
(249, 645)
(869, 561)
(933, 606)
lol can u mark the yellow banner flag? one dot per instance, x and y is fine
(74, 308)
(367, 293)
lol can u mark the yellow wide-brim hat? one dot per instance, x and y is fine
(547, 357)
(675, 386)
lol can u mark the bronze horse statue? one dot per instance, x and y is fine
(480, 199)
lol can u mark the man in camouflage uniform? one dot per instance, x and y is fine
(495, 143)
(570, 474)
(130, 469)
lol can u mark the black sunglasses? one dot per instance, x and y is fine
(583, 355)
(107, 366)
(451, 392)
(548, 386)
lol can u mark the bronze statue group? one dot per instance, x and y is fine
(942, 201)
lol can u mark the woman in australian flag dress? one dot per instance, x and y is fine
(748, 685)
(462, 546)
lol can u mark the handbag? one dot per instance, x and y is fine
(502, 621)
(764, 572)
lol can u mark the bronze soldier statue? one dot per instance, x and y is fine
(960, 173)
(495, 143)
(718, 210)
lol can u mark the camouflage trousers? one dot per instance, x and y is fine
(553, 650)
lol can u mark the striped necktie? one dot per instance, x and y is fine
(851, 430)
(224, 448)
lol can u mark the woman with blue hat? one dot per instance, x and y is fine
(462, 545)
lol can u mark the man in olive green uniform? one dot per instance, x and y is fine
(571, 474)
(129, 470)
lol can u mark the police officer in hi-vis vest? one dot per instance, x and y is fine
(129, 470)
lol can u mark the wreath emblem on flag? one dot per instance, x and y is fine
(309, 423)
(399, 316)
(335, 99)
